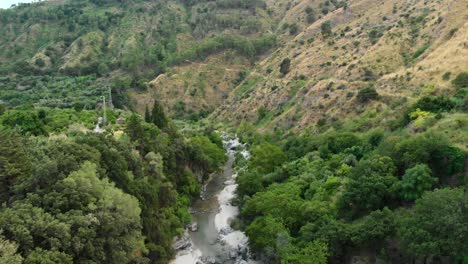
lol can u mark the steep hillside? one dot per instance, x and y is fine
(401, 48)
(125, 44)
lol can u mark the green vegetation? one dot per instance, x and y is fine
(285, 66)
(84, 197)
(326, 28)
(67, 55)
(333, 193)
(329, 180)
(461, 81)
(367, 94)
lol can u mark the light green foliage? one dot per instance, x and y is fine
(209, 155)
(415, 182)
(8, 253)
(266, 157)
(265, 232)
(312, 253)
(282, 201)
(250, 182)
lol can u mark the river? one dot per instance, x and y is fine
(215, 241)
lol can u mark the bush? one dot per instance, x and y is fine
(285, 66)
(367, 94)
(446, 76)
(461, 81)
(326, 29)
(434, 104)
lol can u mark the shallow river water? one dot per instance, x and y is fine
(215, 241)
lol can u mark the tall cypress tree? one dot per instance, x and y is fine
(158, 116)
(147, 115)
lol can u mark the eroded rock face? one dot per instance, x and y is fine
(182, 242)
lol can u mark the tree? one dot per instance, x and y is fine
(437, 224)
(207, 157)
(313, 253)
(264, 232)
(434, 104)
(14, 163)
(8, 253)
(370, 184)
(367, 94)
(373, 229)
(250, 182)
(41, 256)
(266, 157)
(117, 213)
(158, 117)
(415, 182)
(461, 81)
(326, 29)
(27, 121)
(147, 115)
(285, 66)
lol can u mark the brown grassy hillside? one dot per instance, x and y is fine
(402, 48)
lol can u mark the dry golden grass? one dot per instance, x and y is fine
(343, 58)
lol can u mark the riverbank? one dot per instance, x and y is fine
(215, 241)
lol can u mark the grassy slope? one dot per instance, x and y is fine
(418, 45)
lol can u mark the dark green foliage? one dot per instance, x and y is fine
(367, 94)
(375, 34)
(285, 66)
(28, 122)
(326, 28)
(446, 76)
(92, 198)
(14, 163)
(310, 15)
(341, 141)
(435, 104)
(369, 187)
(461, 81)
(293, 28)
(373, 228)
(158, 116)
(437, 225)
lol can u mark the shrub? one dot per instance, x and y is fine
(461, 81)
(367, 94)
(434, 104)
(285, 66)
(293, 28)
(446, 76)
(326, 29)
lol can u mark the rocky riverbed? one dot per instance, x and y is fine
(213, 240)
